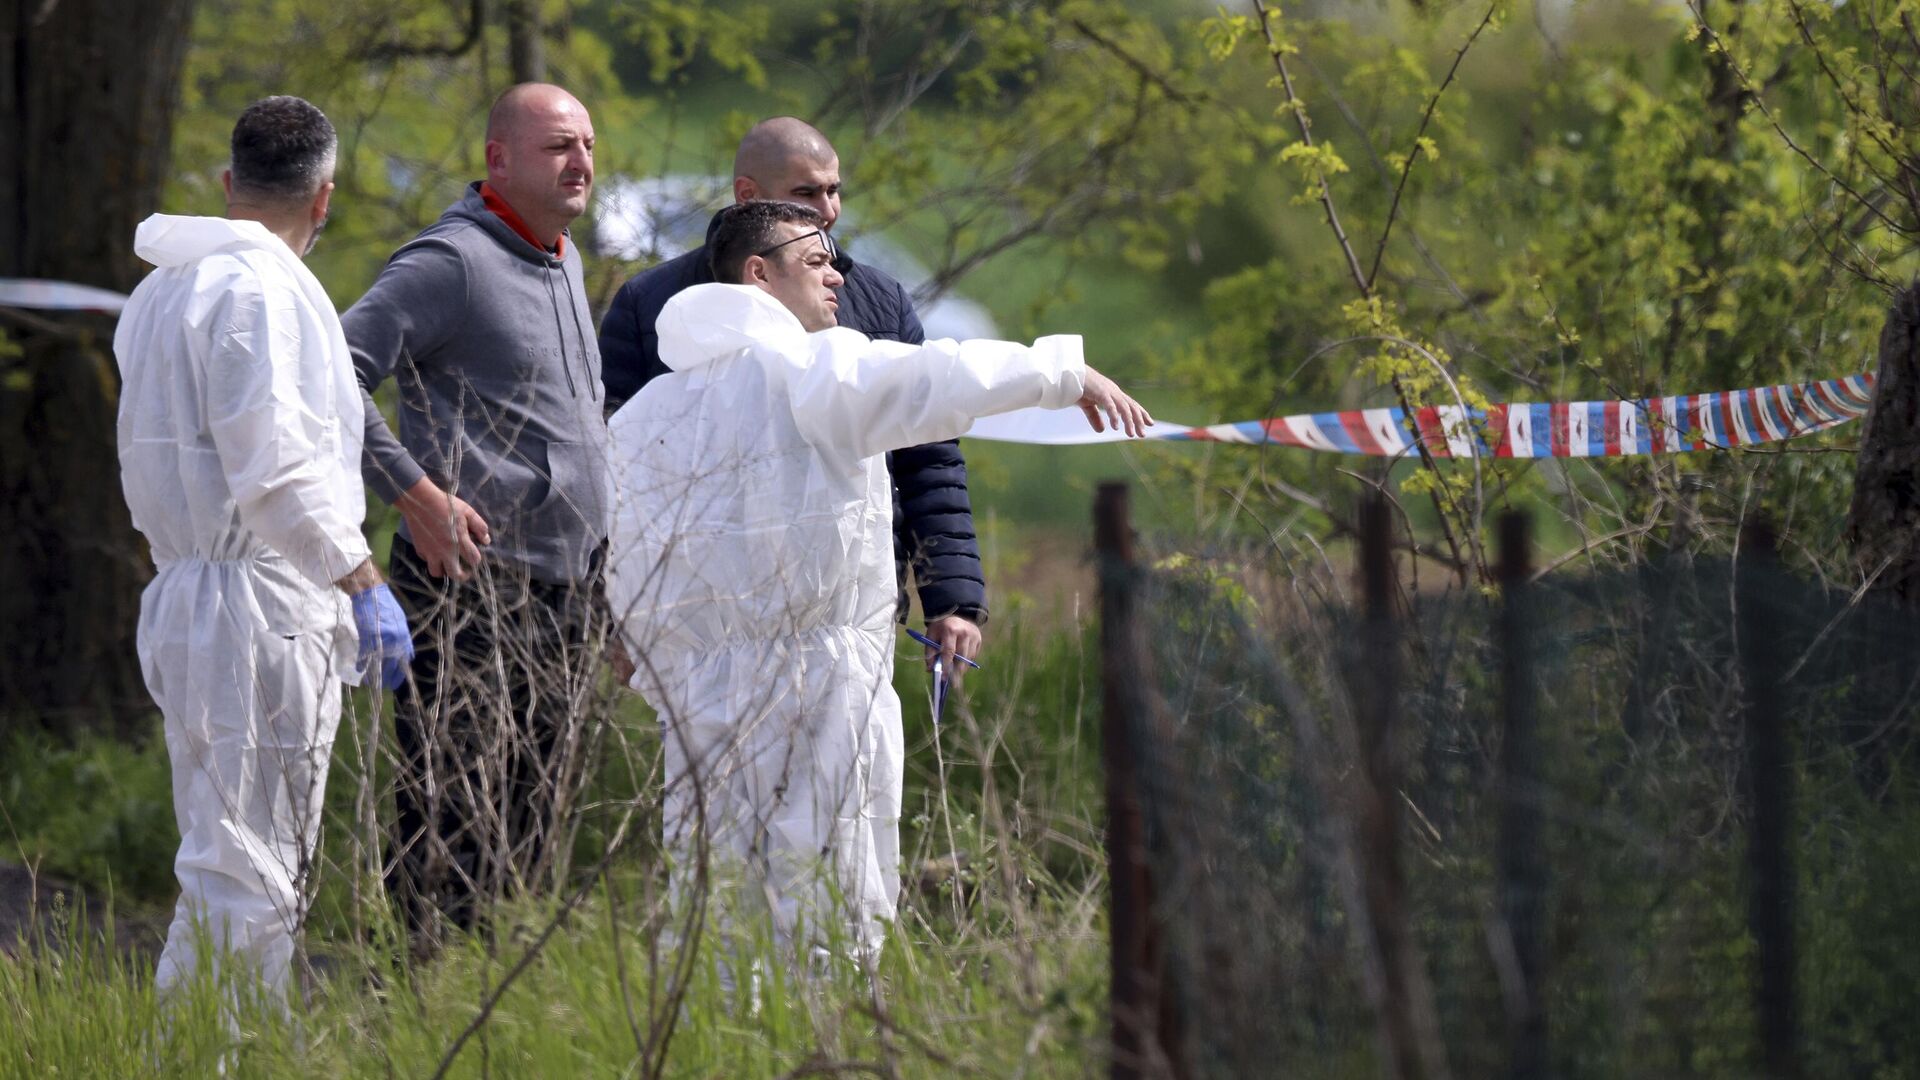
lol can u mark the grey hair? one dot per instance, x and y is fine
(284, 149)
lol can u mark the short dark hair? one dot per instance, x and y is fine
(283, 150)
(747, 228)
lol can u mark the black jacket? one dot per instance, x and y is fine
(932, 516)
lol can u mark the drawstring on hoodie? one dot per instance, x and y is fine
(553, 301)
(573, 306)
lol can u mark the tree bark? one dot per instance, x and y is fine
(88, 89)
(1883, 523)
(526, 41)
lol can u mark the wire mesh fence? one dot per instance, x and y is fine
(1646, 822)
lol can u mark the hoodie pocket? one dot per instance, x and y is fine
(577, 501)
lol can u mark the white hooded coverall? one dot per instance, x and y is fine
(751, 566)
(239, 436)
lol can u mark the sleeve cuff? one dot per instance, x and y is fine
(1065, 356)
(329, 558)
(344, 559)
(974, 615)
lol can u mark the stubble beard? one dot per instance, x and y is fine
(318, 228)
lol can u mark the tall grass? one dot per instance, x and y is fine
(996, 966)
(956, 1002)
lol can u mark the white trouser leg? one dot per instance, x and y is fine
(798, 768)
(249, 726)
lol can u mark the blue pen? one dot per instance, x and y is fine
(932, 644)
(939, 676)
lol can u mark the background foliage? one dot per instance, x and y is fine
(1247, 211)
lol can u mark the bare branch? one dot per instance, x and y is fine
(1413, 151)
(1467, 304)
(1839, 86)
(1139, 66)
(396, 50)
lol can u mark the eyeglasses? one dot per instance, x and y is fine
(826, 241)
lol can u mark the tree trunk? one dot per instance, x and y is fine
(87, 94)
(1884, 522)
(526, 41)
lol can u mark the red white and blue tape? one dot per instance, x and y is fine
(1663, 425)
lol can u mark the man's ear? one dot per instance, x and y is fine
(496, 157)
(322, 201)
(744, 189)
(754, 271)
(226, 183)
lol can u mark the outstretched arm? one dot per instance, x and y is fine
(868, 397)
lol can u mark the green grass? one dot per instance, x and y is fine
(955, 1002)
(999, 974)
(98, 811)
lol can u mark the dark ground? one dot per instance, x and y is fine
(38, 908)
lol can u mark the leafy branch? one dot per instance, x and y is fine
(1719, 45)
(1294, 105)
(1320, 160)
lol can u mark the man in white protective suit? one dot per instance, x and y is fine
(751, 566)
(239, 436)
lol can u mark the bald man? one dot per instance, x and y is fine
(789, 160)
(500, 476)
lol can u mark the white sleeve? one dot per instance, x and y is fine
(870, 397)
(268, 435)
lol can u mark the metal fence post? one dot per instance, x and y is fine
(1521, 858)
(1770, 786)
(1374, 684)
(1132, 960)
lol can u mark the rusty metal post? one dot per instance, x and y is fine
(1522, 857)
(1770, 787)
(1130, 920)
(1375, 686)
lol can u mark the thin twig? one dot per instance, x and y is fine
(1586, 548)
(1468, 304)
(1413, 151)
(1700, 19)
(1839, 85)
(1306, 138)
(1139, 66)
(395, 50)
(1294, 105)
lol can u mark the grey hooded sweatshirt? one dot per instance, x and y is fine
(499, 372)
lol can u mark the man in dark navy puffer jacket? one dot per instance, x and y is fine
(784, 158)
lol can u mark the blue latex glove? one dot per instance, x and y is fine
(384, 637)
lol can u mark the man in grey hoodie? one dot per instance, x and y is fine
(500, 476)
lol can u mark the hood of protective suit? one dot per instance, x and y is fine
(175, 240)
(707, 322)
